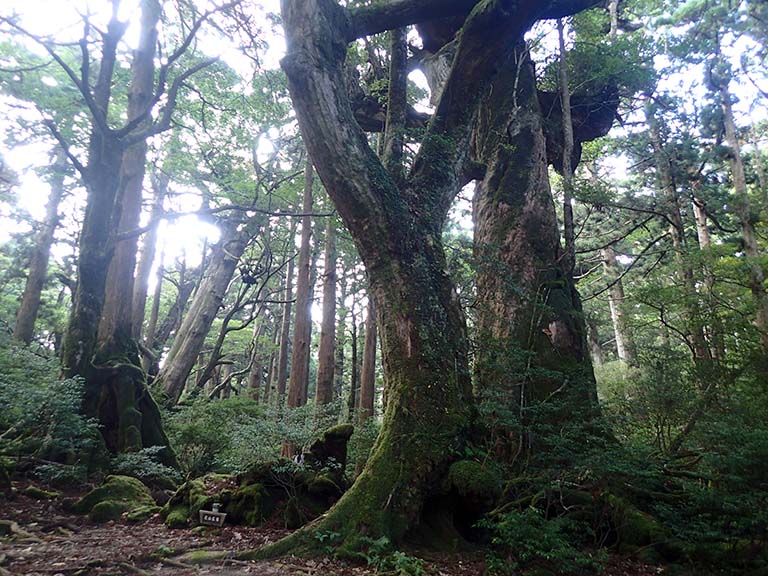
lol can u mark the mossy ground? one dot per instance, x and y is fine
(117, 495)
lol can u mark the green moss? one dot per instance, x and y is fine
(176, 516)
(474, 480)
(40, 494)
(250, 504)
(141, 513)
(117, 495)
(108, 510)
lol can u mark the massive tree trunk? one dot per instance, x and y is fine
(301, 326)
(397, 230)
(326, 357)
(38, 265)
(116, 322)
(190, 337)
(530, 323)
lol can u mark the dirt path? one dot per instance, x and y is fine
(50, 542)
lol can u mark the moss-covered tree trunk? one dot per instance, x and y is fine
(397, 229)
(534, 346)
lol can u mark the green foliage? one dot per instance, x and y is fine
(528, 540)
(41, 417)
(234, 434)
(380, 554)
(146, 466)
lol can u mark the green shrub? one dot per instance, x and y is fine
(41, 419)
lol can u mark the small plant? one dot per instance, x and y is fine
(145, 466)
(380, 555)
(526, 539)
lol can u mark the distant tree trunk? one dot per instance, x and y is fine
(172, 320)
(269, 388)
(256, 372)
(190, 337)
(715, 327)
(148, 251)
(341, 340)
(300, 348)
(698, 343)
(596, 351)
(625, 344)
(326, 357)
(749, 238)
(569, 230)
(368, 375)
(285, 334)
(38, 265)
(154, 314)
(354, 375)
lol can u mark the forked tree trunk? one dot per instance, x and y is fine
(38, 265)
(397, 229)
(326, 354)
(116, 322)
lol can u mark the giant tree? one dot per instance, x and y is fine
(397, 228)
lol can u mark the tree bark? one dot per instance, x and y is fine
(749, 238)
(326, 354)
(147, 258)
(300, 348)
(285, 334)
(116, 322)
(694, 327)
(38, 265)
(529, 314)
(625, 343)
(569, 230)
(368, 375)
(397, 231)
(190, 337)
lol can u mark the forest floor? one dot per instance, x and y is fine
(51, 542)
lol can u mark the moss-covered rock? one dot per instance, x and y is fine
(141, 513)
(197, 494)
(39, 494)
(118, 494)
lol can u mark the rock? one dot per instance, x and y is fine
(39, 494)
(118, 495)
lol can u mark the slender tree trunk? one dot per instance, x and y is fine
(569, 230)
(368, 376)
(269, 388)
(147, 258)
(38, 265)
(190, 337)
(749, 238)
(154, 314)
(354, 377)
(116, 322)
(596, 351)
(341, 340)
(698, 343)
(326, 354)
(285, 335)
(300, 349)
(256, 373)
(625, 344)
